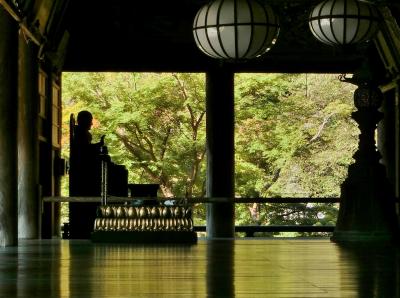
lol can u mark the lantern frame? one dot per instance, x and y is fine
(235, 29)
(344, 22)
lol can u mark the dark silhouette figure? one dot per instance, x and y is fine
(82, 135)
(85, 158)
(85, 174)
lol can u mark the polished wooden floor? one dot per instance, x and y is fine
(241, 268)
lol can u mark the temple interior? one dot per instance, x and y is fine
(122, 247)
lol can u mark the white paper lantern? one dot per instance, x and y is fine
(344, 22)
(235, 29)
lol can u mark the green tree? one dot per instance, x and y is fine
(154, 124)
(294, 138)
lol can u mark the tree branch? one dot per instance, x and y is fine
(135, 149)
(148, 142)
(164, 143)
(181, 86)
(137, 153)
(321, 127)
(273, 180)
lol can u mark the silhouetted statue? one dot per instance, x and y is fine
(85, 175)
(82, 135)
(84, 158)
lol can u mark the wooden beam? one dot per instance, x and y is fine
(391, 85)
(21, 23)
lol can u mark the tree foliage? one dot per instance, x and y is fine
(154, 124)
(302, 141)
(293, 135)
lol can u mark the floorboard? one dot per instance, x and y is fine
(225, 268)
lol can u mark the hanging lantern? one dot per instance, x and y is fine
(344, 22)
(235, 29)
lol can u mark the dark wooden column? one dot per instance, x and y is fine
(397, 149)
(386, 135)
(220, 152)
(220, 258)
(8, 129)
(28, 175)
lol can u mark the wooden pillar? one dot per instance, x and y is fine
(386, 136)
(8, 129)
(397, 137)
(397, 147)
(220, 258)
(28, 175)
(220, 152)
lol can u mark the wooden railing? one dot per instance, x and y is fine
(249, 230)
(239, 200)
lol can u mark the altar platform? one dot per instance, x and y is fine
(225, 268)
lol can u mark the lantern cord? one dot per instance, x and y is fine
(306, 86)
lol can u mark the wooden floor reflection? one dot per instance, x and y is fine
(241, 268)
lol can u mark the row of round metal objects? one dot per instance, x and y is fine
(143, 224)
(110, 211)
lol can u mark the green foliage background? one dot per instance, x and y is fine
(293, 136)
